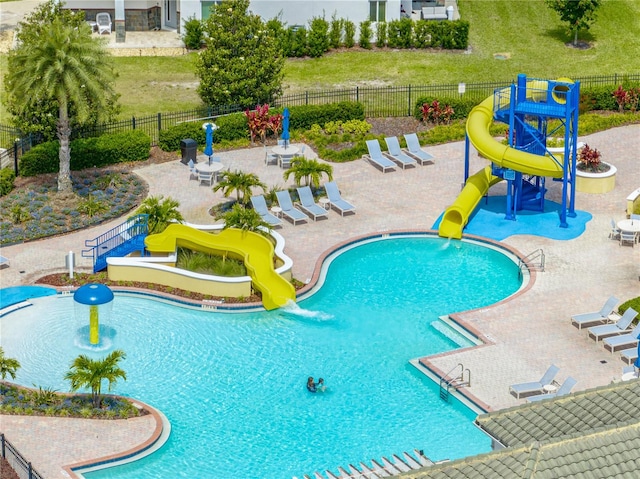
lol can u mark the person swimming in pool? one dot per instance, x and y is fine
(311, 386)
(321, 386)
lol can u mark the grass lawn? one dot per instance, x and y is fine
(526, 31)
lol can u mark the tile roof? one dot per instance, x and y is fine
(593, 433)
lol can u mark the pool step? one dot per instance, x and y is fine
(397, 464)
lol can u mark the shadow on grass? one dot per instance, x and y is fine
(560, 34)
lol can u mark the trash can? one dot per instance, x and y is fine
(189, 150)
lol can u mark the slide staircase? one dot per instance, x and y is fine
(120, 241)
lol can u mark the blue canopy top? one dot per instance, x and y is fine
(93, 294)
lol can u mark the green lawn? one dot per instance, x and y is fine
(526, 30)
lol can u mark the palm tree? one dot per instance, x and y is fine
(308, 169)
(161, 211)
(87, 372)
(241, 183)
(64, 64)
(8, 366)
(245, 219)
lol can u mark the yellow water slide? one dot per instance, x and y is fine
(479, 121)
(256, 251)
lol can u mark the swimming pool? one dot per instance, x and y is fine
(16, 294)
(233, 385)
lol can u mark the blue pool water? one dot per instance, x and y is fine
(16, 294)
(233, 385)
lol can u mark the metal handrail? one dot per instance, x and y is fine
(529, 259)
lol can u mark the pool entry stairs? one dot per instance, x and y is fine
(454, 379)
(398, 464)
(120, 241)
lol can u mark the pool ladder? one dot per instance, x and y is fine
(448, 381)
(533, 261)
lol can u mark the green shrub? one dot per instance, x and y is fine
(399, 33)
(297, 42)
(381, 34)
(87, 153)
(230, 128)
(349, 33)
(335, 32)
(304, 116)
(422, 36)
(170, 138)
(193, 33)
(365, 35)
(7, 177)
(450, 35)
(318, 37)
(279, 32)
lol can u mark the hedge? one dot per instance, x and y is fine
(234, 126)
(7, 177)
(87, 153)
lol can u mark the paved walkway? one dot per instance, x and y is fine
(525, 334)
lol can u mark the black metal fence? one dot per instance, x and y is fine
(18, 463)
(385, 101)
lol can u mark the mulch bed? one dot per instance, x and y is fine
(6, 472)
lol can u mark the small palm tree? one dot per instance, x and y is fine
(161, 211)
(63, 63)
(245, 219)
(87, 372)
(309, 170)
(8, 366)
(241, 183)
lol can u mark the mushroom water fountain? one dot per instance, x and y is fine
(99, 299)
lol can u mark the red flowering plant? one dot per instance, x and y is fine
(260, 122)
(589, 160)
(626, 98)
(436, 113)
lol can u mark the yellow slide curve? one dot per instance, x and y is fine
(457, 215)
(256, 251)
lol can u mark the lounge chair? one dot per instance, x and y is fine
(605, 314)
(103, 20)
(4, 262)
(309, 205)
(619, 327)
(413, 149)
(335, 200)
(290, 211)
(396, 154)
(629, 355)
(376, 157)
(564, 389)
(628, 340)
(535, 386)
(260, 207)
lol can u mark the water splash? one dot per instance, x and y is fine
(293, 308)
(107, 335)
(445, 245)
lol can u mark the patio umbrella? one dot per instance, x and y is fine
(637, 363)
(208, 150)
(285, 127)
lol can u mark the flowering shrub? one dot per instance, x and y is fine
(260, 122)
(589, 160)
(436, 113)
(626, 98)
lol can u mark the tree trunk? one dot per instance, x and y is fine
(64, 133)
(575, 38)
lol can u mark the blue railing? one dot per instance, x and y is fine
(117, 242)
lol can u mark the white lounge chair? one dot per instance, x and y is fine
(629, 355)
(414, 149)
(396, 154)
(535, 386)
(564, 389)
(605, 314)
(308, 204)
(628, 340)
(619, 327)
(4, 262)
(288, 210)
(103, 20)
(335, 200)
(376, 157)
(260, 206)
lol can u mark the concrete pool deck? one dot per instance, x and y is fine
(524, 334)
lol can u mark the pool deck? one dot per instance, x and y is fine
(523, 334)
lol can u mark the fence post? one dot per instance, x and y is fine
(357, 93)
(4, 452)
(15, 170)
(133, 122)
(306, 97)
(159, 123)
(409, 110)
(30, 470)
